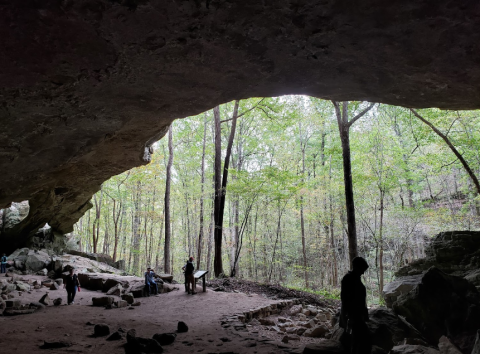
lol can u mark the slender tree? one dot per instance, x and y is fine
(344, 125)
(168, 179)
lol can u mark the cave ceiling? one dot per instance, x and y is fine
(86, 86)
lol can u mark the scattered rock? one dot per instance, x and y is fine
(165, 338)
(57, 302)
(42, 272)
(102, 301)
(447, 347)
(128, 298)
(413, 349)
(37, 305)
(182, 327)
(255, 322)
(300, 331)
(115, 336)
(55, 345)
(59, 281)
(295, 309)
(115, 290)
(138, 303)
(324, 347)
(267, 321)
(141, 345)
(290, 337)
(54, 286)
(101, 330)
(14, 312)
(121, 303)
(316, 332)
(15, 304)
(20, 286)
(321, 317)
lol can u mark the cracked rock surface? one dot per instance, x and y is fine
(88, 85)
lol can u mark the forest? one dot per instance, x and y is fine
(259, 189)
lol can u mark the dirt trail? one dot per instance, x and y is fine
(158, 314)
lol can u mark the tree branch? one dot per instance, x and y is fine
(248, 110)
(360, 115)
(454, 150)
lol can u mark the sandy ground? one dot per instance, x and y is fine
(157, 314)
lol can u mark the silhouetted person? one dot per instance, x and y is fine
(354, 311)
(187, 289)
(4, 264)
(71, 284)
(189, 269)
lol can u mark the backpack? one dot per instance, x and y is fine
(4, 259)
(189, 268)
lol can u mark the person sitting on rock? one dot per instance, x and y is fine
(153, 283)
(189, 269)
(4, 264)
(354, 312)
(150, 283)
(71, 284)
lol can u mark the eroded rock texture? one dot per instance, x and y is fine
(88, 85)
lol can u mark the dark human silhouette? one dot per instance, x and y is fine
(4, 264)
(72, 285)
(354, 312)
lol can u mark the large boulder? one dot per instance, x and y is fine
(454, 252)
(37, 260)
(388, 329)
(398, 287)
(442, 304)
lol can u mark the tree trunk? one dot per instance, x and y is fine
(344, 129)
(168, 231)
(221, 183)
(136, 230)
(380, 240)
(202, 181)
(217, 259)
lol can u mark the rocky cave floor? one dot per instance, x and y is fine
(216, 321)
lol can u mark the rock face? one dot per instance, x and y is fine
(442, 304)
(454, 252)
(89, 87)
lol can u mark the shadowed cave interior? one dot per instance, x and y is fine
(87, 87)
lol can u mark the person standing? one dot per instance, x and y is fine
(4, 264)
(187, 288)
(354, 311)
(189, 269)
(71, 284)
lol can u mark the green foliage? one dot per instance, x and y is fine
(396, 160)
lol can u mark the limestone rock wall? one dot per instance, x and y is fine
(88, 85)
